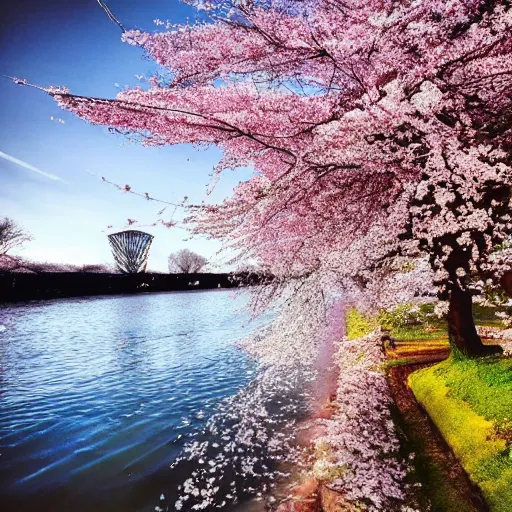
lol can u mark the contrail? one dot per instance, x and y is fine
(29, 167)
(112, 18)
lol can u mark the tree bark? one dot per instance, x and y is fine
(461, 326)
(506, 283)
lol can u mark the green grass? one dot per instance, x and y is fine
(437, 492)
(359, 324)
(468, 400)
(391, 363)
(486, 384)
(418, 333)
(484, 315)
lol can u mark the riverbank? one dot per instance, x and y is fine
(453, 412)
(51, 285)
(438, 481)
(355, 462)
(470, 401)
(435, 440)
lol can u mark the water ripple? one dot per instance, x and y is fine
(100, 392)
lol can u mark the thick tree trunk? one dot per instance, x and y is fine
(461, 326)
(506, 283)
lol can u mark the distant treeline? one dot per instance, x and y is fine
(18, 265)
(50, 285)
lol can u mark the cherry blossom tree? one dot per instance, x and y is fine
(378, 131)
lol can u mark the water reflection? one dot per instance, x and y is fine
(100, 395)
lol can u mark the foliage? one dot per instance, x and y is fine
(23, 265)
(407, 315)
(405, 321)
(9, 263)
(11, 236)
(326, 467)
(487, 315)
(400, 316)
(378, 131)
(358, 324)
(186, 262)
(453, 394)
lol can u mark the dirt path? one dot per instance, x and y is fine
(444, 483)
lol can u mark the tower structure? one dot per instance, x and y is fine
(131, 250)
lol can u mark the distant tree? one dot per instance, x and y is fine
(247, 267)
(18, 264)
(45, 266)
(186, 262)
(11, 235)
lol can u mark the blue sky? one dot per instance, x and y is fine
(73, 43)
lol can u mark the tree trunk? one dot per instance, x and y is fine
(506, 283)
(461, 326)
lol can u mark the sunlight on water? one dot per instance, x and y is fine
(99, 397)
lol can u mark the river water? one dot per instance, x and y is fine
(135, 402)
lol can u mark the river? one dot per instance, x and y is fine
(135, 402)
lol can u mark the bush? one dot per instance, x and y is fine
(406, 315)
(359, 324)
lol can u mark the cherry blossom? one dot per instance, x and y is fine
(362, 454)
(376, 130)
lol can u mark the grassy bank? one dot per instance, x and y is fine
(404, 325)
(470, 401)
(436, 480)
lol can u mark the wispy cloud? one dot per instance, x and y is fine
(21, 163)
